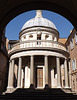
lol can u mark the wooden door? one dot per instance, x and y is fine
(39, 77)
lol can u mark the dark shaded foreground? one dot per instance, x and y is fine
(38, 94)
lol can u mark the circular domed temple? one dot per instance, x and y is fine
(38, 58)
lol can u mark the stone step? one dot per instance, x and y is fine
(37, 94)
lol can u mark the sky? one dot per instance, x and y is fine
(15, 25)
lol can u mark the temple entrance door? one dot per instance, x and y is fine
(39, 77)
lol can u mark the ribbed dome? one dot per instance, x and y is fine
(38, 21)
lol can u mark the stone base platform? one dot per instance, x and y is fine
(38, 94)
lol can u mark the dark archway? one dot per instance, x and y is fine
(43, 4)
(12, 8)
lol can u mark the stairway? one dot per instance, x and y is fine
(38, 94)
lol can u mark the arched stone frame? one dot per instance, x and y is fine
(35, 5)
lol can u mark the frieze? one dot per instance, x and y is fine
(34, 28)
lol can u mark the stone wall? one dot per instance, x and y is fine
(73, 56)
(3, 72)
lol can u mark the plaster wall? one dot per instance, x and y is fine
(3, 71)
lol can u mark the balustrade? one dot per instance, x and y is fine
(39, 43)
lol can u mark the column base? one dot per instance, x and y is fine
(10, 90)
(46, 86)
(67, 90)
(31, 86)
(70, 87)
(18, 87)
(10, 87)
(59, 87)
(66, 87)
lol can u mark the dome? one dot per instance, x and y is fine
(39, 21)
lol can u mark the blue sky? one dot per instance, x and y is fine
(14, 26)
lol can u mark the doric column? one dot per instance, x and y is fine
(9, 75)
(70, 74)
(46, 70)
(66, 73)
(31, 71)
(22, 77)
(58, 72)
(26, 76)
(12, 73)
(19, 73)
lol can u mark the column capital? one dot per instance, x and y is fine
(65, 58)
(9, 61)
(32, 55)
(57, 57)
(12, 59)
(46, 55)
(69, 59)
(20, 57)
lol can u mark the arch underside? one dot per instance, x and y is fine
(61, 8)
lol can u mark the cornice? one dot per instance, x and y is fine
(65, 53)
(38, 28)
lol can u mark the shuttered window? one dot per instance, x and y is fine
(73, 64)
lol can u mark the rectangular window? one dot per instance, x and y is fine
(38, 38)
(10, 46)
(76, 37)
(73, 64)
(72, 43)
(68, 48)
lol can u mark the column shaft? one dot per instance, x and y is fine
(46, 70)
(66, 74)
(26, 76)
(22, 78)
(9, 75)
(19, 73)
(31, 70)
(12, 73)
(58, 73)
(70, 79)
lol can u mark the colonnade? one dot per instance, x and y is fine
(11, 72)
(59, 73)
